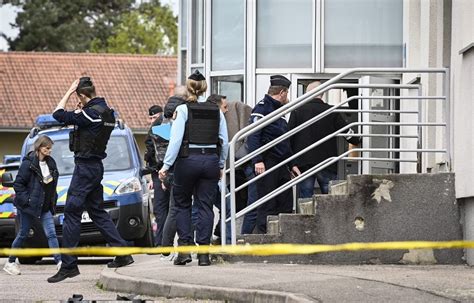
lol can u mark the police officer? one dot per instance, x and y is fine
(93, 123)
(155, 150)
(277, 96)
(198, 150)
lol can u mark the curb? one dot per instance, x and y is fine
(113, 281)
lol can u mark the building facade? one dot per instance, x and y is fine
(238, 44)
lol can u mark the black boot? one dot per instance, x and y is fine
(182, 259)
(64, 273)
(203, 260)
(120, 261)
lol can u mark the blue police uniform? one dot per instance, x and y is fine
(197, 175)
(282, 203)
(85, 191)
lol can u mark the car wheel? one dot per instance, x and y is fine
(147, 239)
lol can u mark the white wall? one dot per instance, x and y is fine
(462, 79)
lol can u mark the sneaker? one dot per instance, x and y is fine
(169, 257)
(12, 268)
(120, 261)
(64, 273)
(58, 265)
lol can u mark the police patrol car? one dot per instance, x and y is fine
(126, 195)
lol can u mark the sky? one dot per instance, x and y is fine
(9, 12)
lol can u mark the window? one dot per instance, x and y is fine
(363, 33)
(284, 33)
(228, 18)
(197, 19)
(184, 23)
(230, 86)
(118, 155)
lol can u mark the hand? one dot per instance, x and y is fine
(259, 168)
(162, 174)
(150, 185)
(73, 87)
(221, 173)
(295, 171)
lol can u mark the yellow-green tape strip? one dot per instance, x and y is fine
(256, 250)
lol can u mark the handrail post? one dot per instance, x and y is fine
(447, 112)
(232, 192)
(223, 190)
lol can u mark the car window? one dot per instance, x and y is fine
(118, 155)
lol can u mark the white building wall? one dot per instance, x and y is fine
(462, 79)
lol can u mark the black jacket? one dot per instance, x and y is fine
(315, 132)
(29, 186)
(282, 150)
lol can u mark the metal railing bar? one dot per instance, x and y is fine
(379, 135)
(382, 111)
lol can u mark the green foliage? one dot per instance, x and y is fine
(150, 29)
(93, 25)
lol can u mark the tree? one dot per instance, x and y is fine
(64, 25)
(150, 29)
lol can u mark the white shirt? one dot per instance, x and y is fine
(45, 172)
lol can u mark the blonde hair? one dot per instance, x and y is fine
(195, 89)
(181, 91)
(42, 141)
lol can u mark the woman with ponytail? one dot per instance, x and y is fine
(197, 149)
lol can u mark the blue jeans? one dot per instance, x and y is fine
(306, 187)
(26, 220)
(250, 218)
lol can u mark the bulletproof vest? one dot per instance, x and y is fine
(84, 143)
(202, 126)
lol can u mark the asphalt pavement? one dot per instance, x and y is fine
(265, 282)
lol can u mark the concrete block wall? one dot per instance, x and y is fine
(375, 208)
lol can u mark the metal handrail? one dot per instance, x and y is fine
(328, 137)
(246, 131)
(325, 164)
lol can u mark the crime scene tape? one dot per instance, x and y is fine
(255, 250)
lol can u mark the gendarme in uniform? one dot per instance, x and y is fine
(198, 149)
(93, 126)
(282, 203)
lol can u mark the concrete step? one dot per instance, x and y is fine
(338, 187)
(376, 208)
(306, 206)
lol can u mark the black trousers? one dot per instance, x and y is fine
(283, 203)
(86, 193)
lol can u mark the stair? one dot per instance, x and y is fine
(370, 208)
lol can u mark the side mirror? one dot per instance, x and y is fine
(7, 180)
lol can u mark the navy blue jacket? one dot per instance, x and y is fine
(87, 118)
(277, 128)
(29, 187)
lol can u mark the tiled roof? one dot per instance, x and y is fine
(32, 83)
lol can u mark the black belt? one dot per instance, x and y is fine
(203, 151)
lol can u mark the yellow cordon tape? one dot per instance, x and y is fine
(255, 250)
